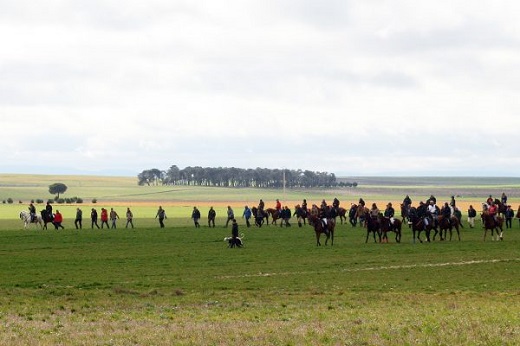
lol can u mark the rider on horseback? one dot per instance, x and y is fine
(324, 215)
(432, 211)
(32, 211)
(335, 205)
(389, 214)
(492, 210)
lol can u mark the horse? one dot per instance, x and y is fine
(405, 211)
(446, 224)
(342, 212)
(259, 219)
(352, 215)
(388, 226)
(25, 216)
(418, 225)
(319, 228)
(373, 226)
(46, 218)
(275, 215)
(490, 223)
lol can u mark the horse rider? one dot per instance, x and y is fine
(374, 211)
(278, 207)
(407, 203)
(492, 210)
(361, 202)
(446, 211)
(432, 211)
(422, 213)
(324, 215)
(389, 214)
(261, 206)
(432, 198)
(503, 198)
(304, 205)
(48, 211)
(335, 205)
(32, 211)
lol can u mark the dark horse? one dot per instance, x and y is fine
(445, 225)
(259, 217)
(373, 226)
(320, 228)
(352, 215)
(493, 225)
(46, 218)
(342, 213)
(388, 226)
(418, 225)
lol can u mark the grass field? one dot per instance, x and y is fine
(183, 286)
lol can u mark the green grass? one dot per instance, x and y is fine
(183, 286)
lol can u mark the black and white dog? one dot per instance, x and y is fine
(235, 242)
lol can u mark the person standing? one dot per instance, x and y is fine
(113, 217)
(129, 218)
(509, 214)
(79, 218)
(104, 217)
(234, 234)
(472, 213)
(211, 217)
(247, 215)
(230, 215)
(161, 214)
(94, 217)
(195, 215)
(58, 219)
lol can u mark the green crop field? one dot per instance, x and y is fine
(183, 286)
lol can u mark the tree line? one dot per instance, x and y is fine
(239, 177)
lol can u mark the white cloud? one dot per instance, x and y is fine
(334, 86)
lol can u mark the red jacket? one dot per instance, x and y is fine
(104, 215)
(58, 218)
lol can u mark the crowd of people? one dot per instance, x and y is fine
(324, 212)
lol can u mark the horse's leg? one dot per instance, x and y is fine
(318, 239)
(368, 233)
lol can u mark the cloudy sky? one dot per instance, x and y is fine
(354, 88)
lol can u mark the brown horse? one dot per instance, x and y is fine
(447, 224)
(493, 225)
(373, 226)
(275, 215)
(320, 228)
(387, 226)
(342, 213)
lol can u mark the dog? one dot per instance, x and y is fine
(236, 242)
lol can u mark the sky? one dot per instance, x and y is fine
(354, 88)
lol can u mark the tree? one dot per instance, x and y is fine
(57, 188)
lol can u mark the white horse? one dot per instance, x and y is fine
(25, 216)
